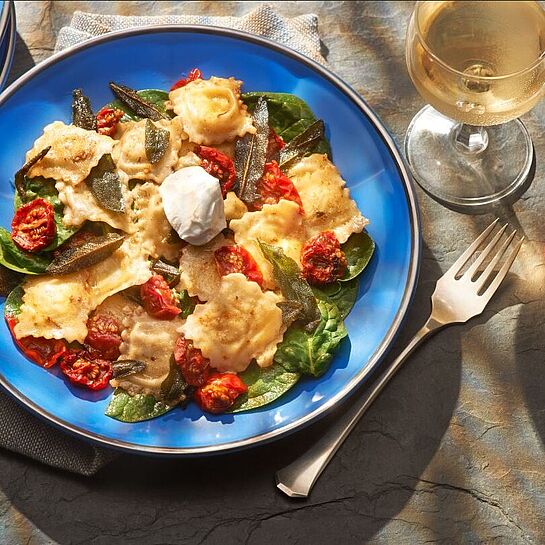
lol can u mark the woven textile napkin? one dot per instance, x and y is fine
(19, 430)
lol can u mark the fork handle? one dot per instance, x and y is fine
(297, 479)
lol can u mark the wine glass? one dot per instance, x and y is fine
(480, 65)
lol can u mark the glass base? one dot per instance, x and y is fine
(467, 177)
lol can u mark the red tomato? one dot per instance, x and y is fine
(83, 369)
(158, 299)
(276, 143)
(194, 366)
(322, 259)
(44, 352)
(275, 185)
(219, 165)
(192, 76)
(220, 392)
(236, 259)
(104, 335)
(107, 120)
(33, 226)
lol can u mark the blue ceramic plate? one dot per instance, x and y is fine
(362, 150)
(7, 40)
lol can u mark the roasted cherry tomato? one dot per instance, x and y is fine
(104, 335)
(322, 259)
(158, 299)
(275, 185)
(44, 352)
(192, 76)
(84, 369)
(276, 143)
(33, 226)
(107, 120)
(194, 366)
(219, 165)
(236, 259)
(220, 392)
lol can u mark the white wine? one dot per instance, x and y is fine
(478, 62)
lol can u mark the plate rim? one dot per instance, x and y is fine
(10, 33)
(4, 16)
(410, 285)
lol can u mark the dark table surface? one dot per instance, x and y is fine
(452, 452)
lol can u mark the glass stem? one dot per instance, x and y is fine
(469, 138)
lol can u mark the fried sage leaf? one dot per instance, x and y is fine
(169, 272)
(174, 386)
(251, 154)
(9, 279)
(302, 144)
(82, 113)
(136, 103)
(292, 284)
(127, 408)
(125, 368)
(291, 310)
(90, 252)
(105, 185)
(156, 142)
(22, 172)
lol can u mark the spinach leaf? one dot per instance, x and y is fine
(289, 116)
(292, 284)
(311, 353)
(17, 260)
(82, 113)
(14, 300)
(302, 144)
(186, 303)
(264, 386)
(343, 295)
(127, 408)
(155, 97)
(156, 142)
(20, 175)
(105, 185)
(359, 249)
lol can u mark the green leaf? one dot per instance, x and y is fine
(174, 386)
(358, 249)
(302, 144)
(186, 303)
(153, 97)
(105, 185)
(169, 272)
(127, 408)
(291, 283)
(343, 295)
(265, 385)
(289, 116)
(156, 142)
(125, 368)
(311, 353)
(20, 175)
(17, 260)
(82, 113)
(12, 305)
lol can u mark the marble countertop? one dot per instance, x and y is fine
(453, 450)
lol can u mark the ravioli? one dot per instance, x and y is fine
(234, 208)
(74, 152)
(238, 324)
(211, 111)
(152, 341)
(57, 307)
(279, 224)
(129, 155)
(326, 200)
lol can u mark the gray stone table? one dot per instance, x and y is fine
(452, 452)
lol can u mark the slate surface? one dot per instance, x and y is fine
(452, 452)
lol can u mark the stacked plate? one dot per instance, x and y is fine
(7, 39)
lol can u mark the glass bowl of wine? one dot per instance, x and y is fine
(479, 66)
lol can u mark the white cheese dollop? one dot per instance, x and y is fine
(193, 204)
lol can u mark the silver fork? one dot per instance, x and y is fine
(457, 298)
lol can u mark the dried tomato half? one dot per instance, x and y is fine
(220, 392)
(83, 369)
(275, 185)
(219, 165)
(192, 76)
(104, 335)
(236, 259)
(322, 259)
(44, 352)
(107, 120)
(276, 143)
(194, 366)
(158, 299)
(33, 226)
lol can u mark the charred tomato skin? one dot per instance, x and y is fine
(104, 335)
(107, 120)
(194, 366)
(194, 74)
(220, 392)
(85, 369)
(275, 185)
(33, 226)
(219, 165)
(236, 259)
(158, 299)
(322, 259)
